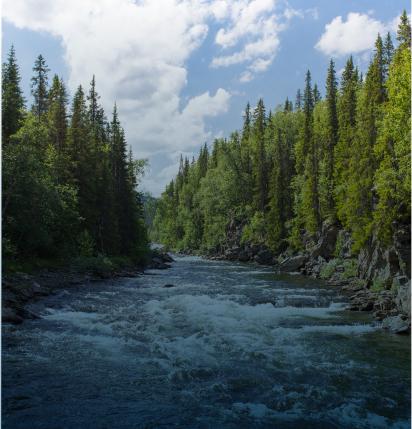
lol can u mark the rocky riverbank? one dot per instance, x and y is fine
(377, 279)
(20, 289)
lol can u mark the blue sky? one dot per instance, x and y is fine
(161, 72)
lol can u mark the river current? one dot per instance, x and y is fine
(229, 346)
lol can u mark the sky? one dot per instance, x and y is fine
(182, 71)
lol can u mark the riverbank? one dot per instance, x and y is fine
(376, 279)
(19, 289)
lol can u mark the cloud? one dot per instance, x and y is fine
(255, 25)
(139, 49)
(355, 35)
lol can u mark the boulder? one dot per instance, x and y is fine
(264, 257)
(158, 264)
(397, 324)
(166, 257)
(402, 285)
(293, 263)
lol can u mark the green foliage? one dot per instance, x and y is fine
(255, 231)
(329, 269)
(69, 187)
(343, 159)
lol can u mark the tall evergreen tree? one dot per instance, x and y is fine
(344, 150)
(260, 171)
(39, 87)
(11, 97)
(332, 138)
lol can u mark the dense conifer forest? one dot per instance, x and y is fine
(344, 158)
(69, 179)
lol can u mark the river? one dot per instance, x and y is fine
(231, 345)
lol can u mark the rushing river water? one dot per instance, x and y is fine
(230, 346)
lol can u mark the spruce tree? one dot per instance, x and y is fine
(392, 178)
(332, 138)
(260, 172)
(39, 87)
(12, 99)
(404, 31)
(344, 151)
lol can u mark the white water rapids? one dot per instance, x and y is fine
(229, 346)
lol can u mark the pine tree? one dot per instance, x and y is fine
(332, 138)
(392, 178)
(260, 171)
(57, 114)
(344, 151)
(39, 87)
(361, 194)
(12, 99)
(298, 101)
(388, 51)
(316, 94)
(404, 31)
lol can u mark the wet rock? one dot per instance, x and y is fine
(158, 264)
(244, 256)
(293, 263)
(363, 300)
(167, 258)
(9, 315)
(397, 324)
(264, 257)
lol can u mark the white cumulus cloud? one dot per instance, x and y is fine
(255, 26)
(354, 35)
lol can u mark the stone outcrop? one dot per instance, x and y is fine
(325, 247)
(293, 263)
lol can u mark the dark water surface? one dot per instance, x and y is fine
(230, 346)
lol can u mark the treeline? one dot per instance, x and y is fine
(343, 159)
(69, 179)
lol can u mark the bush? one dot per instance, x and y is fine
(328, 269)
(100, 265)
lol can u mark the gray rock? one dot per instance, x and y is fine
(293, 263)
(232, 254)
(396, 324)
(402, 245)
(327, 241)
(402, 285)
(345, 245)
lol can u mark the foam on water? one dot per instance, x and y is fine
(229, 346)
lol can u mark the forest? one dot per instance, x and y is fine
(342, 159)
(70, 182)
